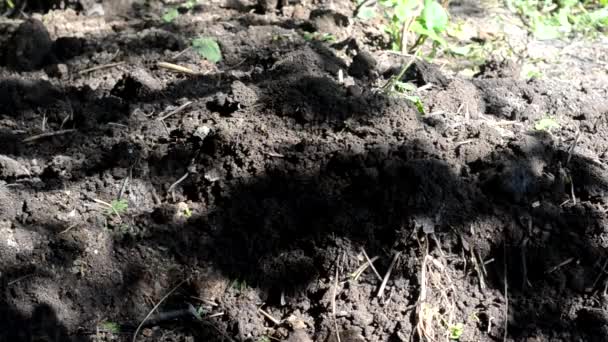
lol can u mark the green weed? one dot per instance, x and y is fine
(323, 37)
(552, 19)
(455, 331)
(394, 86)
(110, 327)
(118, 207)
(172, 13)
(420, 20)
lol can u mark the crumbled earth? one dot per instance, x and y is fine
(244, 202)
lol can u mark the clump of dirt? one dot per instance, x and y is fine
(259, 192)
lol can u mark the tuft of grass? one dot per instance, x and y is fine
(118, 207)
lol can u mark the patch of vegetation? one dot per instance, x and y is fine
(174, 12)
(208, 48)
(118, 207)
(396, 87)
(409, 19)
(455, 331)
(551, 19)
(187, 212)
(110, 327)
(546, 124)
(323, 37)
(239, 285)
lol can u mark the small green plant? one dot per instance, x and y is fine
(187, 212)
(172, 13)
(239, 285)
(264, 339)
(118, 207)
(323, 37)
(208, 48)
(110, 327)
(455, 331)
(394, 86)
(546, 124)
(424, 20)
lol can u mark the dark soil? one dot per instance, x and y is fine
(274, 178)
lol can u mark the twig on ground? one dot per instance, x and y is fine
(274, 154)
(13, 282)
(179, 54)
(524, 262)
(175, 111)
(479, 269)
(333, 302)
(100, 67)
(599, 276)
(69, 228)
(213, 315)
(156, 307)
(573, 146)
(362, 268)
(269, 316)
(572, 189)
(177, 182)
(387, 275)
(371, 264)
(506, 318)
(178, 68)
(48, 134)
(123, 187)
(560, 265)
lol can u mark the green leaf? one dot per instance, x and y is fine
(546, 124)
(461, 50)
(544, 31)
(404, 10)
(421, 30)
(207, 48)
(403, 87)
(366, 13)
(417, 102)
(111, 327)
(10, 4)
(456, 331)
(434, 16)
(190, 4)
(171, 15)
